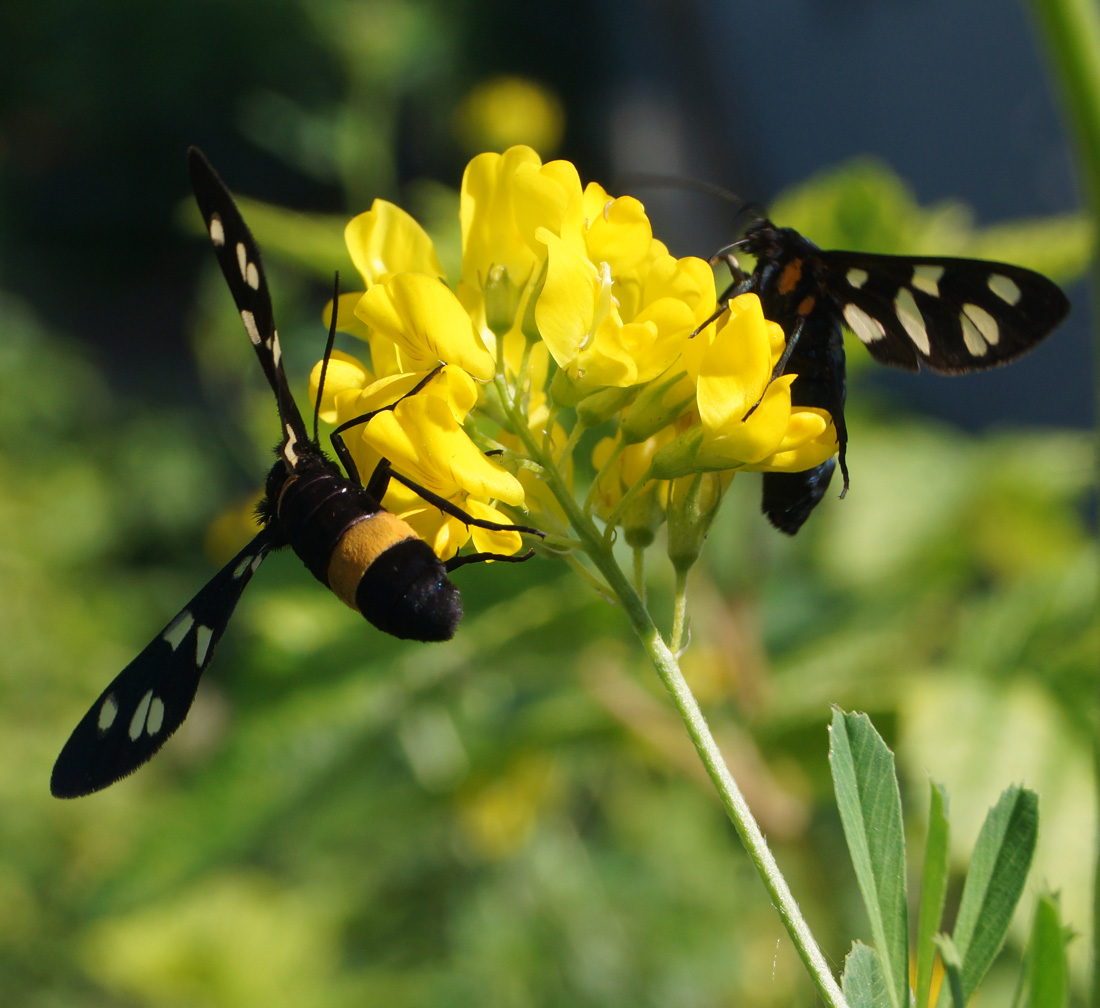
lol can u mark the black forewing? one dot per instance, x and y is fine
(963, 314)
(239, 257)
(150, 698)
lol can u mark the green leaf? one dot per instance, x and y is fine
(933, 890)
(870, 810)
(1046, 976)
(863, 983)
(994, 881)
(951, 993)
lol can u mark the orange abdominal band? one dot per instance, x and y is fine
(359, 547)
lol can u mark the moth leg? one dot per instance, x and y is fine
(781, 364)
(740, 285)
(444, 505)
(469, 558)
(341, 449)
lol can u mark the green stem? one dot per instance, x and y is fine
(679, 613)
(664, 661)
(1071, 31)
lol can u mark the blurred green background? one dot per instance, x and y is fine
(515, 817)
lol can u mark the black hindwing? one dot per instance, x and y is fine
(149, 699)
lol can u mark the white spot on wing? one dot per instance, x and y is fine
(179, 628)
(249, 321)
(242, 261)
(856, 277)
(155, 719)
(1005, 288)
(910, 317)
(288, 449)
(108, 711)
(217, 232)
(276, 349)
(203, 637)
(927, 278)
(256, 561)
(238, 571)
(863, 325)
(252, 276)
(980, 330)
(137, 722)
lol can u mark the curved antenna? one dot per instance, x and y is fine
(660, 180)
(752, 211)
(328, 353)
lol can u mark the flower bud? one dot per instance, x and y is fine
(501, 301)
(643, 516)
(657, 405)
(599, 406)
(692, 506)
(678, 457)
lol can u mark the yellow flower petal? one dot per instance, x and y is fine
(735, 368)
(422, 439)
(387, 240)
(425, 319)
(619, 233)
(566, 307)
(751, 439)
(486, 540)
(344, 374)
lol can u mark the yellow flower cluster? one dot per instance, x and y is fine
(568, 315)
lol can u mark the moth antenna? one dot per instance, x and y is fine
(659, 180)
(328, 353)
(751, 211)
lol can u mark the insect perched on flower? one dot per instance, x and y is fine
(370, 558)
(571, 337)
(952, 315)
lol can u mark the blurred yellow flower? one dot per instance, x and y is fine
(503, 111)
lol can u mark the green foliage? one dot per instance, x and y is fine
(864, 205)
(1046, 981)
(870, 809)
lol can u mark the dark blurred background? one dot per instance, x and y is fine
(514, 816)
(100, 102)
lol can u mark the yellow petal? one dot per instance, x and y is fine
(486, 540)
(344, 374)
(619, 233)
(346, 321)
(749, 440)
(387, 240)
(425, 319)
(566, 307)
(490, 234)
(423, 440)
(735, 368)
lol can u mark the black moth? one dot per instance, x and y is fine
(952, 315)
(369, 558)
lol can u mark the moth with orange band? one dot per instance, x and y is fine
(368, 557)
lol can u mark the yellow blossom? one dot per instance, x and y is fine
(567, 313)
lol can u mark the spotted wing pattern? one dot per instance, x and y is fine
(148, 700)
(951, 315)
(239, 257)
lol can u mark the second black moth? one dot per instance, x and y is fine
(369, 558)
(951, 315)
